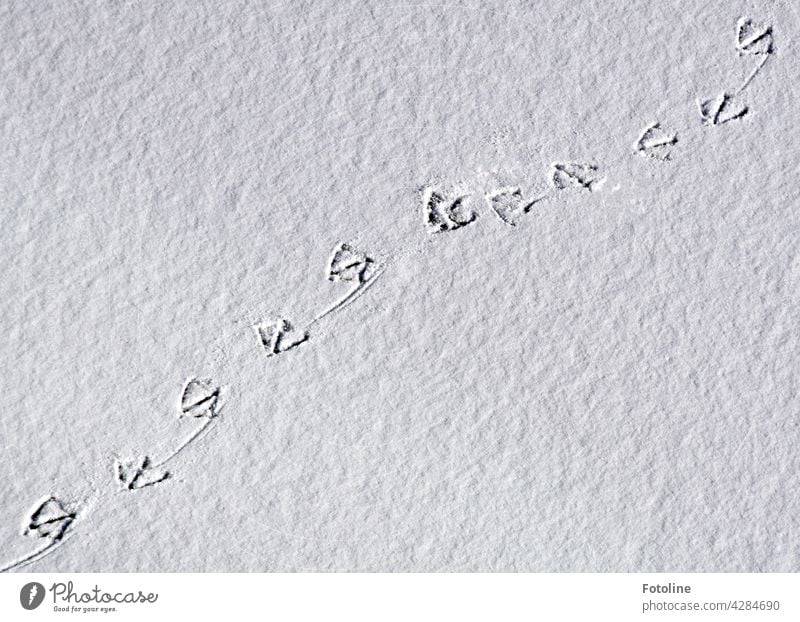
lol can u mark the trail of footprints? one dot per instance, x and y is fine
(724, 107)
(52, 518)
(445, 213)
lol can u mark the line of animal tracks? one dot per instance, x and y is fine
(352, 272)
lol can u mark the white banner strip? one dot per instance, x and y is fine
(401, 597)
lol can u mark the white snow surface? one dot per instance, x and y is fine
(611, 384)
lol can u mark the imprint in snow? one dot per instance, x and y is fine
(751, 39)
(446, 214)
(508, 203)
(720, 109)
(655, 142)
(279, 336)
(347, 264)
(576, 175)
(138, 473)
(50, 519)
(199, 398)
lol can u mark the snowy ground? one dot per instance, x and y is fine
(568, 339)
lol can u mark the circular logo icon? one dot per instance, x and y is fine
(31, 595)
